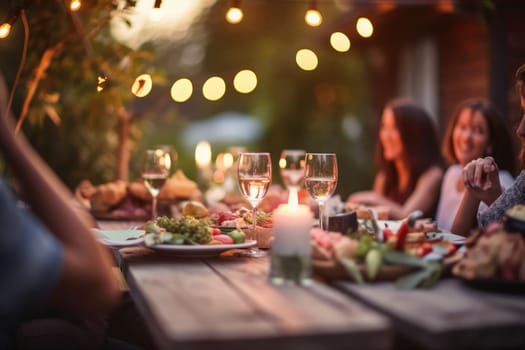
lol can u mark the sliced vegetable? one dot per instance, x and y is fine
(352, 269)
(373, 260)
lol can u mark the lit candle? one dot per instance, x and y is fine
(203, 160)
(203, 154)
(291, 250)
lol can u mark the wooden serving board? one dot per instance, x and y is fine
(332, 270)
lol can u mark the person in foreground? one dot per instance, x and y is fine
(48, 254)
(476, 130)
(410, 171)
(482, 184)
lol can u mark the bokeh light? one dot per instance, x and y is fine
(214, 88)
(340, 42)
(306, 59)
(364, 27)
(203, 154)
(234, 15)
(142, 85)
(5, 29)
(313, 18)
(245, 81)
(75, 5)
(181, 90)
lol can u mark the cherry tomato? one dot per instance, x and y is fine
(402, 233)
(423, 249)
(215, 231)
(387, 234)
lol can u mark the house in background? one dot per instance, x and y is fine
(441, 52)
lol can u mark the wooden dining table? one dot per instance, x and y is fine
(228, 302)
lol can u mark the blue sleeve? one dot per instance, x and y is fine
(30, 260)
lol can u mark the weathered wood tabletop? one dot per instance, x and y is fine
(229, 303)
(450, 315)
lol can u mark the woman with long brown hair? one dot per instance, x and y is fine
(481, 179)
(409, 162)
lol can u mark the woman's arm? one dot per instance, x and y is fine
(425, 195)
(87, 284)
(465, 219)
(423, 198)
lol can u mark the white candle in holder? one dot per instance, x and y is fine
(291, 250)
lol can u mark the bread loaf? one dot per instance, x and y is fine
(108, 195)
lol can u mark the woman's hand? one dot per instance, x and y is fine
(481, 179)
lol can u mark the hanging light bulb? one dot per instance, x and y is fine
(234, 14)
(313, 16)
(75, 5)
(5, 28)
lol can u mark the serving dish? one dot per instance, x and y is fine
(199, 251)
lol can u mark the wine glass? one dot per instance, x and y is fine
(291, 164)
(320, 178)
(255, 176)
(155, 171)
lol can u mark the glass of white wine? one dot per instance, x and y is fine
(255, 176)
(291, 164)
(320, 178)
(155, 170)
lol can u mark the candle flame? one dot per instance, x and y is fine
(203, 154)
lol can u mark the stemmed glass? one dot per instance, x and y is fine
(155, 171)
(320, 178)
(291, 164)
(255, 176)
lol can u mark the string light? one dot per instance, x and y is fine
(75, 5)
(313, 17)
(364, 27)
(214, 88)
(234, 14)
(340, 42)
(245, 81)
(142, 85)
(181, 90)
(306, 59)
(5, 28)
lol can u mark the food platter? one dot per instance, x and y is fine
(199, 251)
(120, 238)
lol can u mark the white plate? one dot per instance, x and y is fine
(446, 236)
(199, 251)
(120, 238)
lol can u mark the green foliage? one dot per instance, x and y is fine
(298, 109)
